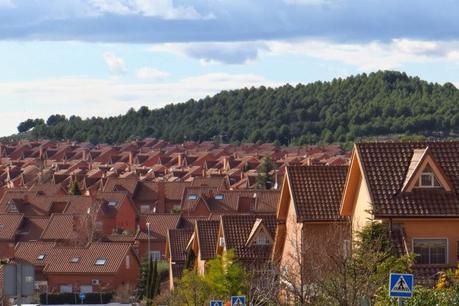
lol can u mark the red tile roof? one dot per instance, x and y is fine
(114, 253)
(236, 230)
(207, 231)
(160, 224)
(385, 167)
(316, 191)
(178, 240)
(30, 252)
(9, 225)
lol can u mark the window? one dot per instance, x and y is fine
(2, 226)
(75, 259)
(428, 180)
(219, 197)
(101, 261)
(65, 288)
(11, 207)
(99, 225)
(430, 251)
(155, 255)
(144, 209)
(112, 203)
(41, 256)
(262, 239)
(192, 197)
(86, 288)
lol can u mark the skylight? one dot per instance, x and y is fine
(101, 261)
(41, 256)
(219, 197)
(75, 259)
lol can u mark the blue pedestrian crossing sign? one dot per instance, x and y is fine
(401, 285)
(82, 296)
(216, 303)
(238, 300)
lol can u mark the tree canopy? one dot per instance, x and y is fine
(383, 103)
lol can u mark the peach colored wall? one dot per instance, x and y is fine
(361, 215)
(441, 228)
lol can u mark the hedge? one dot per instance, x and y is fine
(74, 298)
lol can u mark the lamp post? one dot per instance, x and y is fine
(148, 239)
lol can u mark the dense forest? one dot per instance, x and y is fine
(380, 104)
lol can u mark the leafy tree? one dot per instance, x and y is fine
(264, 177)
(74, 188)
(383, 103)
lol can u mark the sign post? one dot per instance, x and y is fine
(401, 286)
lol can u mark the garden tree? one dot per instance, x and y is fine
(324, 271)
(224, 277)
(74, 188)
(264, 177)
(384, 103)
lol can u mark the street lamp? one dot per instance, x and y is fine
(148, 239)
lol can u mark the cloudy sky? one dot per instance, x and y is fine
(101, 57)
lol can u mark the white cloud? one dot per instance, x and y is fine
(89, 97)
(239, 52)
(365, 56)
(115, 64)
(158, 8)
(151, 73)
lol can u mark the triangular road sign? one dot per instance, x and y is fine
(401, 285)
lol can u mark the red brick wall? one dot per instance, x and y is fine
(6, 249)
(125, 218)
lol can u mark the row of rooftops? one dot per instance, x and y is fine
(26, 163)
(316, 191)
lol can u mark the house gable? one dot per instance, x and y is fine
(422, 162)
(259, 233)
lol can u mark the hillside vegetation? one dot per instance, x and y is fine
(343, 110)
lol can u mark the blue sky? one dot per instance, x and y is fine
(101, 57)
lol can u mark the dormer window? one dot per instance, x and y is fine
(11, 207)
(192, 197)
(428, 180)
(219, 197)
(112, 203)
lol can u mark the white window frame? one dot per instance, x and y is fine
(102, 261)
(145, 209)
(433, 238)
(192, 197)
(433, 178)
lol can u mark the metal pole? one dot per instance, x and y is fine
(18, 284)
(400, 302)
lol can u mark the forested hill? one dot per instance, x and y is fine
(377, 104)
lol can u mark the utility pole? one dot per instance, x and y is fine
(148, 240)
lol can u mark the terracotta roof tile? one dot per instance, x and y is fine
(386, 165)
(237, 228)
(60, 258)
(178, 240)
(9, 225)
(33, 252)
(62, 227)
(207, 237)
(160, 224)
(317, 191)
